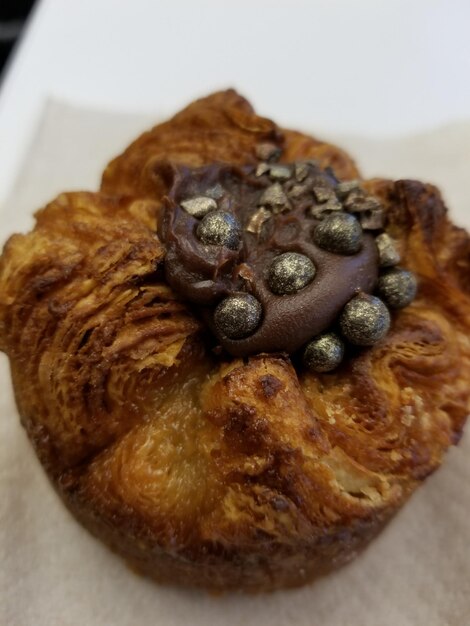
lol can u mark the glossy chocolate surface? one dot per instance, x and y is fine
(278, 206)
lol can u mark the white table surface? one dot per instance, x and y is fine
(330, 66)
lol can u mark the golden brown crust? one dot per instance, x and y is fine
(240, 474)
(222, 127)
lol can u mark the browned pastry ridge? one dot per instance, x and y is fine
(226, 474)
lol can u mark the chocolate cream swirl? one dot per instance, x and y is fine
(278, 207)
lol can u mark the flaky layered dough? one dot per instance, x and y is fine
(241, 474)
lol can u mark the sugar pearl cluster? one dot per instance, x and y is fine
(340, 212)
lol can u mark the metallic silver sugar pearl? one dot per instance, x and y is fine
(274, 198)
(365, 320)
(339, 233)
(388, 253)
(200, 206)
(290, 272)
(267, 152)
(220, 229)
(324, 353)
(238, 316)
(397, 287)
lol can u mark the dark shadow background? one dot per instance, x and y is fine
(13, 14)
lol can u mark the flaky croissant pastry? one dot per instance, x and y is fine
(211, 453)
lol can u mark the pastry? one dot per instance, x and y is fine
(238, 359)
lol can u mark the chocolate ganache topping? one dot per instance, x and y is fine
(277, 255)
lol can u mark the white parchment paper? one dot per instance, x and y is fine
(52, 572)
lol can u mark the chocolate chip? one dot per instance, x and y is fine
(324, 194)
(298, 190)
(198, 207)
(320, 211)
(301, 171)
(262, 168)
(344, 188)
(372, 220)
(256, 221)
(354, 199)
(360, 203)
(268, 152)
(280, 172)
(216, 192)
(388, 253)
(274, 198)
